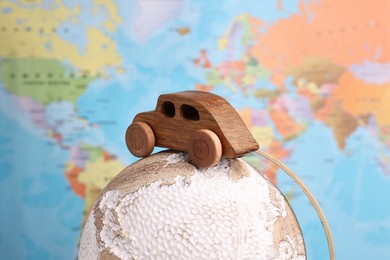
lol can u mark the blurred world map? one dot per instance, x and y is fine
(311, 79)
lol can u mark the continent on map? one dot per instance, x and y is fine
(88, 171)
(285, 124)
(277, 150)
(256, 120)
(241, 74)
(317, 70)
(289, 42)
(342, 123)
(30, 31)
(372, 72)
(44, 80)
(361, 99)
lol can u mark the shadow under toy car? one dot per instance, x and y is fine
(203, 124)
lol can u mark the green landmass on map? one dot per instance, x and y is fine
(44, 80)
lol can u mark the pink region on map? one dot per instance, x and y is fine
(384, 164)
(233, 36)
(370, 72)
(327, 88)
(35, 110)
(78, 156)
(279, 104)
(259, 117)
(227, 67)
(298, 107)
(372, 127)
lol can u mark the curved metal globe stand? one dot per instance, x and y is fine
(308, 194)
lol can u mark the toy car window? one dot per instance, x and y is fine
(168, 109)
(189, 112)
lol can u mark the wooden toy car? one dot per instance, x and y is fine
(203, 124)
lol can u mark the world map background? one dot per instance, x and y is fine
(311, 79)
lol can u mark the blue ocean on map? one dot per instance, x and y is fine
(309, 79)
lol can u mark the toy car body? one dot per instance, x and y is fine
(180, 118)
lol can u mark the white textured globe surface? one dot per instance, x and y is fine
(162, 207)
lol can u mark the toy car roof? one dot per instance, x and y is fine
(205, 98)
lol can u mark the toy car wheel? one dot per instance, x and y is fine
(140, 139)
(205, 148)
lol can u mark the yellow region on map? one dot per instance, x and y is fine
(263, 134)
(96, 175)
(32, 32)
(114, 19)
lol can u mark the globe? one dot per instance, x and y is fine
(163, 207)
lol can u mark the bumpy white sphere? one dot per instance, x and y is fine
(162, 207)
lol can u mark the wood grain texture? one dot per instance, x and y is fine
(205, 148)
(140, 139)
(178, 115)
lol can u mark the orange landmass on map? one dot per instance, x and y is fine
(285, 124)
(256, 24)
(183, 30)
(107, 156)
(204, 87)
(384, 136)
(203, 60)
(58, 138)
(235, 70)
(319, 70)
(72, 175)
(341, 122)
(279, 4)
(346, 32)
(360, 98)
(277, 150)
